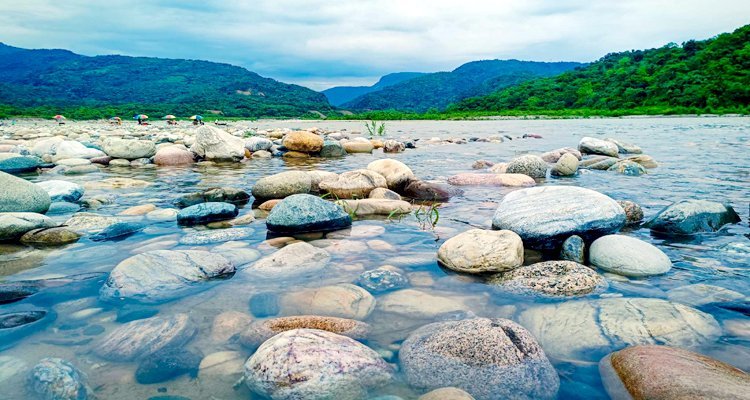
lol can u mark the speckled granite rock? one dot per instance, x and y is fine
(260, 331)
(478, 251)
(551, 278)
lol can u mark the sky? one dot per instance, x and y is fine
(320, 44)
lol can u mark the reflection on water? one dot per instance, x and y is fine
(698, 158)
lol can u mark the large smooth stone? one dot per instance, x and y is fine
(129, 149)
(256, 143)
(488, 358)
(315, 365)
(353, 184)
(283, 184)
(228, 325)
(555, 155)
(295, 259)
(173, 155)
(217, 145)
(84, 222)
(343, 300)
(545, 216)
(529, 164)
(167, 364)
(20, 195)
(14, 163)
(260, 331)
(206, 212)
(50, 236)
(417, 304)
(566, 165)
(331, 149)
(589, 145)
(57, 379)
(71, 149)
(383, 279)
(687, 217)
(306, 213)
(428, 191)
(588, 330)
(217, 194)
(624, 147)
(13, 225)
(365, 207)
(511, 180)
(302, 141)
(700, 294)
(666, 373)
(162, 275)
(356, 146)
(62, 190)
(396, 173)
(117, 231)
(551, 278)
(477, 251)
(143, 337)
(628, 256)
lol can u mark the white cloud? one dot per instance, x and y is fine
(319, 43)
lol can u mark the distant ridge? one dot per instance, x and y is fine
(341, 94)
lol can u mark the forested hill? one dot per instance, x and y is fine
(708, 76)
(438, 90)
(53, 81)
(341, 94)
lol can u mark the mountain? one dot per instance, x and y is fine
(341, 94)
(52, 81)
(438, 90)
(708, 76)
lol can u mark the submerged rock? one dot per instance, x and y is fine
(306, 213)
(396, 173)
(50, 236)
(57, 379)
(167, 364)
(365, 207)
(488, 358)
(700, 294)
(628, 256)
(281, 185)
(343, 300)
(62, 190)
(84, 222)
(629, 168)
(331, 149)
(206, 212)
(551, 278)
(545, 216)
(688, 217)
(588, 330)
(573, 249)
(353, 184)
(316, 365)
(421, 190)
(510, 180)
(20, 195)
(665, 373)
(478, 251)
(144, 337)
(14, 163)
(217, 194)
(119, 230)
(381, 280)
(13, 225)
(162, 275)
(292, 260)
(260, 331)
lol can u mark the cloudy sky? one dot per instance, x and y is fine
(326, 43)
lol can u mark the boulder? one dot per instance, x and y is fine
(283, 184)
(14, 163)
(217, 194)
(529, 165)
(217, 145)
(600, 163)
(396, 173)
(129, 149)
(393, 146)
(20, 195)
(553, 156)
(57, 379)
(551, 278)
(688, 217)
(589, 145)
(343, 300)
(206, 212)
(353, 184)
(384, 194)
(644, 160)
(62, 190)
(302, 141)
(162, 275)
(144, 337)
(625, 148)
(566, 165)
(117, 231)
(84, 222)
(633, 212)
(260, 331)
(510, 180)
(50, 236)
(306, 213)
(573, 249)
(545, 216)
(13, 225)
(71, 149)
(700, 294)
(331, 149)
(173, 155)
(316, 365)
(488, 358)
(355, 146)
(167, 364)
(627, 167)
(478, 251)
(291, 260)
(256, 143)
(588, 330)
(428, 191)
(365, 207)
(665, 373)
(628, 256)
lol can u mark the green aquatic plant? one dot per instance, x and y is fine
(428, 217)
(375, 128)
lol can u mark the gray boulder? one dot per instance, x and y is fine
(331, 149)
(688, 217)
(529, 165)
(628, 256)
(215, 144)
(206, 212)
(163, 275)
(20, 195)
(306, 213)
(129, 149)
(13, 225)
(15, 163)
(144, 337)
(62, 190)
(589, 145)
(283, 184)
(545, 216)
(552, 279)
(255, 143)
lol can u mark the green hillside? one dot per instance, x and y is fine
(709, 76)
(44, 82)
